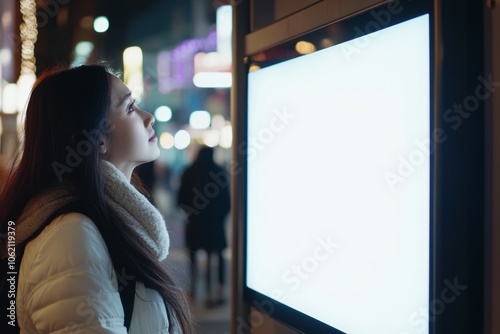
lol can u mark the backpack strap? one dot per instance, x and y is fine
(127, 296)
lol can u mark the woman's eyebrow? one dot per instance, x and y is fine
(123, 99)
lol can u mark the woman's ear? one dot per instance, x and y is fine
(103, 147)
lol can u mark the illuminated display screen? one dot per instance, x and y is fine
(338, 182)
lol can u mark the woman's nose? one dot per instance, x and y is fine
(149, 120)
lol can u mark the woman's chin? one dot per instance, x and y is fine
(156, 155)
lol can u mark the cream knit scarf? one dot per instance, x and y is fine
(122, 197)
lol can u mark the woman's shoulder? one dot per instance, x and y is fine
(71, 221)
(70, 240)
(65, 272)
(72, 228)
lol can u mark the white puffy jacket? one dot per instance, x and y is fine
(67, 284)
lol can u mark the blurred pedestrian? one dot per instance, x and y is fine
(204, 195)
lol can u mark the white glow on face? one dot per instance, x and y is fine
(163, 114)
(101, 24)
(182, 139)
(199, 119)
(329, 233)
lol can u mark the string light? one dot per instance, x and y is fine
(29, 33)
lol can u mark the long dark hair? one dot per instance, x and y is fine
(68, 112)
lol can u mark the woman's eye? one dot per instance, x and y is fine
(131, 107)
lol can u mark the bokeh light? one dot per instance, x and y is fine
(167, 140)
(199, 119)
(182, 139)
(101, 24)
(163, 114)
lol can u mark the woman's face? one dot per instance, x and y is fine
(131, 142)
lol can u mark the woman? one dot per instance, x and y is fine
(84, 135)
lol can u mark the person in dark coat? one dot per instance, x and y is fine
(204, 196)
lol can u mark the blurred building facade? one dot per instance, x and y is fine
(171, 40)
